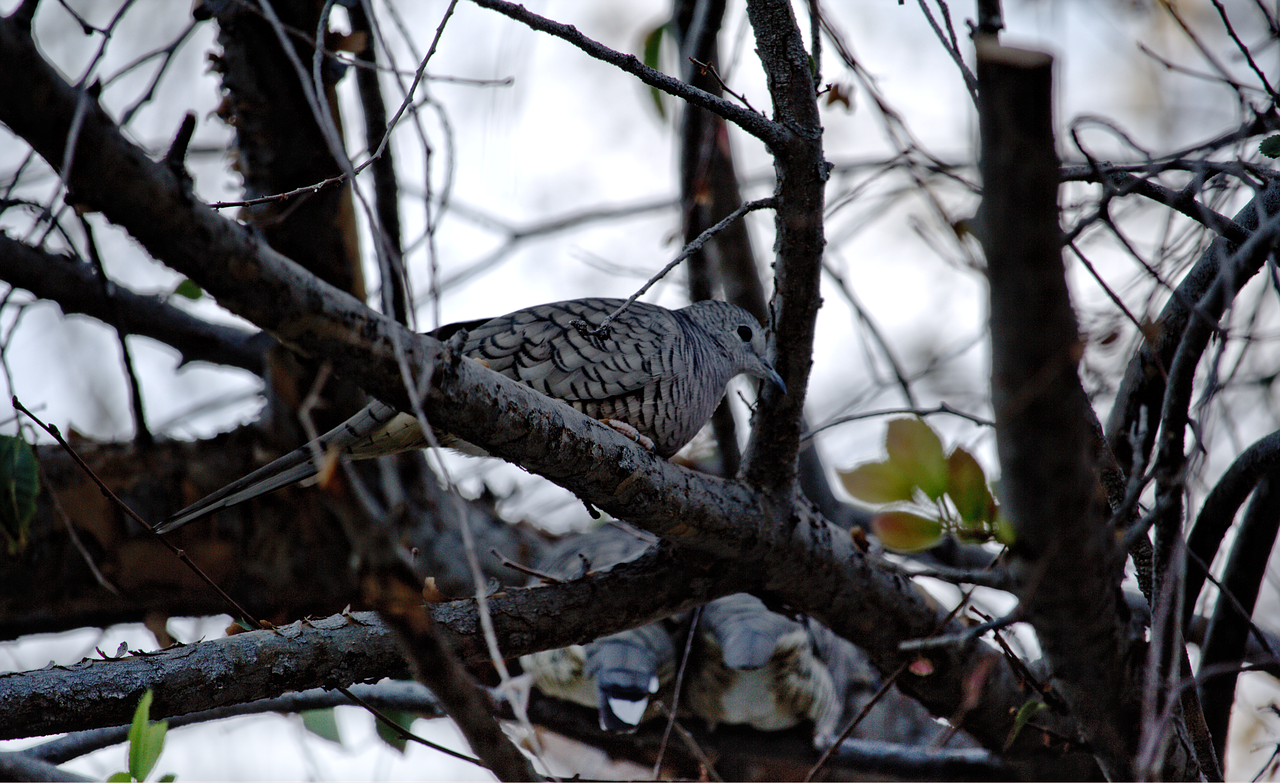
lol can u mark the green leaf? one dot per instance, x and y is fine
(967, 487)
(146, 739)
(189, 289)
(322, 723)
(120, 777)
(877, 482)
(1025, 713)
(1270, 146)
(19, 485)
(651, 58)
(916, 450)
(906, 532)
(167, 777)
(402, 718)
(1005, 532)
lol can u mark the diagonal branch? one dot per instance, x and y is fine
(771, 133)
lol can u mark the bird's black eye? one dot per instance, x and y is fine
(745, 333)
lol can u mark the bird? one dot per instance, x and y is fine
(655, 373)
(754, 667)
(617, 674)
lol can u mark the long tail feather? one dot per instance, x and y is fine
(375, 430)
(292, 467)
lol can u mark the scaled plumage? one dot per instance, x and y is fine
(659, 371)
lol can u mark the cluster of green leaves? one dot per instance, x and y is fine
(923, 493)
(146, 741)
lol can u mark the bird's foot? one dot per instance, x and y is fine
(630, 432)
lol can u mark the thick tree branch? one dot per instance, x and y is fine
(1218, 512)
(336, 651)
(801, 169)
(342, 650)
(390, 695)
(74, 285)
(1065, 557)
(1231, 623)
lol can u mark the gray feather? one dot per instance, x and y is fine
(616, 674)
(755, 667)
(659, 371)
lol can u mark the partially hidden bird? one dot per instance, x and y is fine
(655, 373)
(750, 666)
(616, 674)
(754, 667)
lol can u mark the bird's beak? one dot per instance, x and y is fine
(771, 375)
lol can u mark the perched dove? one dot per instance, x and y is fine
(616, 674)
(654, 372)
(755, 667)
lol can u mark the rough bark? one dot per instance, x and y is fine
(1065, 557)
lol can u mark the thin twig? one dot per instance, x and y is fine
(709, 68)
(689, 249)
(689, 742)
(98, 576)
(1244, 50)
(959, 637)
(853, 724)
(404, 733)
(675, 698)
(773, 134)
(52, 430)
(142, 433)
(940, 408)
(524, 569)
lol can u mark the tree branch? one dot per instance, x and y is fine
(770, 459)
(74, 285)
(1065, 558)
(1183, 201)
(774, 134)
(346, 649)
(1218, 512)
(1231, 623)
(389, 695)
(1142, 390)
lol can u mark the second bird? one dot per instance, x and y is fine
(660, 372)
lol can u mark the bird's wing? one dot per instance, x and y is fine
(543, 348)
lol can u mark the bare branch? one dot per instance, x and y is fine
(74, 286)
(774, 134)
(1065, 557)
